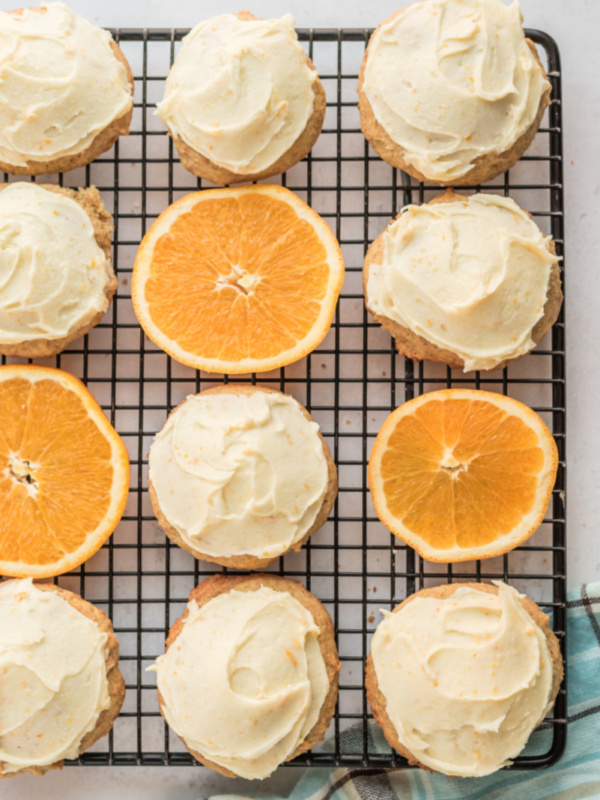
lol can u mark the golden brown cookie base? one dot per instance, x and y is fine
(484, 168)
(202, 167)
(416, 347)
(91, 202)
(221, 584)
(103, 141)
(116, 684)
(250, 561)
(377, 700)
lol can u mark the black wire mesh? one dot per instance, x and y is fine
(350, 384)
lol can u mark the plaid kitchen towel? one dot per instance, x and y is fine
(575, 777)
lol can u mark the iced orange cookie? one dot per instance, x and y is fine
(459, 676)
(64, 472)
(61, 688)
(250, 675)
(52, 294)
(66, 90)
(451, 91)
(242, 101)
(462, 474)
(241, 475)
(238, 280)
(471, 282)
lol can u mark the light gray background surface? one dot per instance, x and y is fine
(575, 25)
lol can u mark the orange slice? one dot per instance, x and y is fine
(237, 280)
(462, 474)
(64, 472)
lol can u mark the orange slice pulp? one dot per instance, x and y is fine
(462, 474)
(64, 472)
(237, 280)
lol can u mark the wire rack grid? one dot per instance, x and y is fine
(349, 384)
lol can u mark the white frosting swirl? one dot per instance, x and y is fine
(466, 678)
(240, 92)
(60, 84)
(239, 474)
(471, 276)
(53, 683)
(244, 682)
(53, 274)
(452, 80)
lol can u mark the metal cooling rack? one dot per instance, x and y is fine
(350, 384)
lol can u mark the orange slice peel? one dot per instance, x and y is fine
(462, 474)
(64, 472)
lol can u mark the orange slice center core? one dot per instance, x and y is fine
(243, 281)
(23, 472)
(452, 465)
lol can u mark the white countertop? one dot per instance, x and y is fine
(574, 24)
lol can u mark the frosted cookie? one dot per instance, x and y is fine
(471, 282)
(240, 475)
(56, 277)
(60, 688)
(459, 676)
(250, 675)
(66, 90)
(243, 101)
(451, 91)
